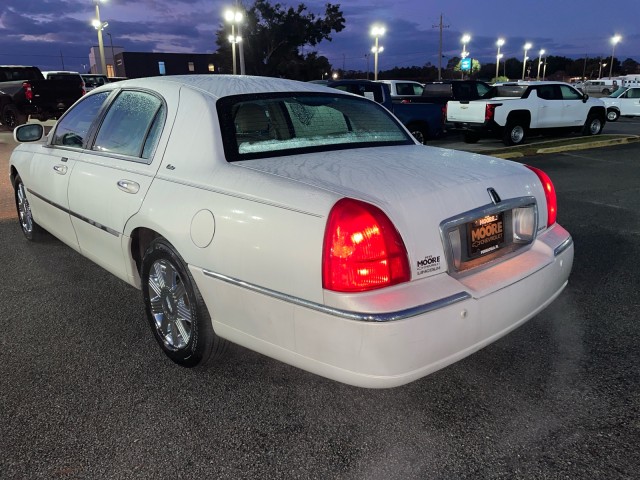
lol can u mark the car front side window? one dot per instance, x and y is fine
(73, 128)
(132, 119)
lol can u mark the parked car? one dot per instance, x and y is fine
(513, 110)
(625, 103)
(94, 80)
(293, 219)
(403, 88)
(24, 91)
(423, 121)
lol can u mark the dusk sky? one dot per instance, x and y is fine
(39, 32)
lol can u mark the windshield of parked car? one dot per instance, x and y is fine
(260, 126)
(618, 92)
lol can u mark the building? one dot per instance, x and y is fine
(152, 64)
(110, 52)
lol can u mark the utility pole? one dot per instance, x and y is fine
(441, 26)
(62, 59)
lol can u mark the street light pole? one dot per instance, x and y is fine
(377, 31)
(500, 43)
(233, 17)
(97, 23)
(614, 41)
(539, 62)
(527, 46)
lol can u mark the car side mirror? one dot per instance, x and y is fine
(585, 97)
(29, 132)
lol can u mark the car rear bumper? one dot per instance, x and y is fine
(379, 354)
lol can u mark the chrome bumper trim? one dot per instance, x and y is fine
(563, 246)
(346, 314)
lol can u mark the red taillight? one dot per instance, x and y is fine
(549, 193)
(83, 89)
(362, 249)
(444, 113)
(489, 112)
(28, 93)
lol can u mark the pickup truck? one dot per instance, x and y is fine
(24, 91)
(447, 90)
(512, 110)
(423, 120)
(624, 102)
(403, 88)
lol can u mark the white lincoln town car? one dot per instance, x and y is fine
(295, 220)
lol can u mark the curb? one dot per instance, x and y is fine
(529, 150)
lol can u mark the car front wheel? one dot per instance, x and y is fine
(612, 115)
(419, 132)
(175, 309)
(31, 230)
(593, 125)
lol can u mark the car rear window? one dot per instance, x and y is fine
(271, 125)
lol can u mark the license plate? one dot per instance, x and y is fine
(485, 235)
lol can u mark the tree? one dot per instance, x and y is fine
(274, 40)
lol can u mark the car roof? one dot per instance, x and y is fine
(225, 85)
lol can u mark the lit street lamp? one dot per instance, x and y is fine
(614, 41)
(500, 43)
(377, 31)
(527, 46)
(234, 17)
(99, 26)
(600, 71)
(539, 62)
(466, 38)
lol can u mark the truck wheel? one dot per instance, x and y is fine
(419, 132)
(606, 91)
(593, 125)
(514, 133)
(612, 115)
(11, 118)
(471, 137)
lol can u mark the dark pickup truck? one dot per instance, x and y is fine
(24, 91)
(442, 92)
(423, 120)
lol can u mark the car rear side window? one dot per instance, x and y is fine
(132, 125)
(261, 126)
(72, 129)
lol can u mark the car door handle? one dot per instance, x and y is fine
(128, 186)
(61, 169)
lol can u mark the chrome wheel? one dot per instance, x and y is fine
(170, 306)
(24, 210)
(517, 134)
(612, 115)
(418, 135)
(595, 126)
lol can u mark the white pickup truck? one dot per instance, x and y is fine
(625, 103)
(512, 110)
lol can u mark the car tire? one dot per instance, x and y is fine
(419, 132)
(11, 118)
(471, 137)
(593, 125)
(31, 230)
(612, 115)
(606, 91)
(175, 309)
(514, 133)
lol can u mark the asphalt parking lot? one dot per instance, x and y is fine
(87, 394)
